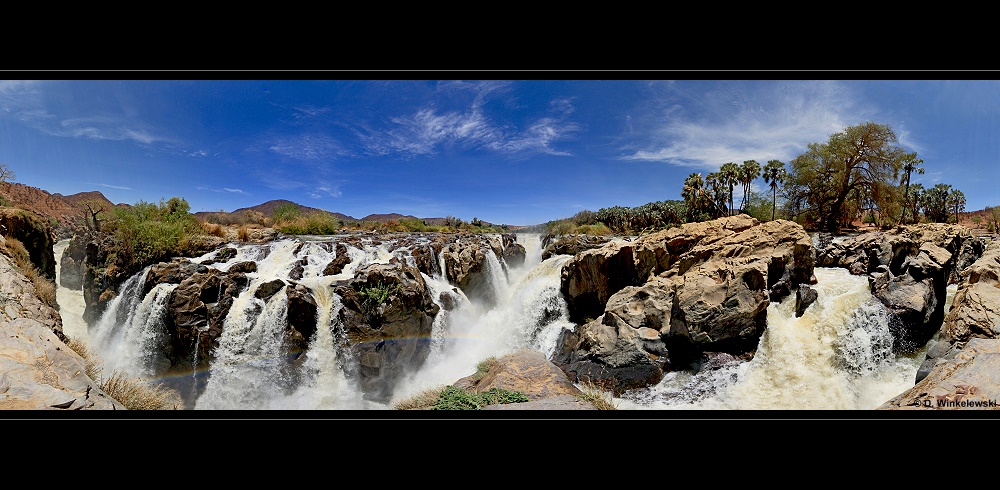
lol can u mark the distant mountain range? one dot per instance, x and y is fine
(268, 208)
(67, 210)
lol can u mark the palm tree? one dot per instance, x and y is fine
(909, 165)
(692, 193)
(749, 171)
(729, 175)
(774, 174)
(956, 199)
(717, 195)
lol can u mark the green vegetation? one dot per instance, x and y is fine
(620, 220)
(373, 296)
(452, 398)
(993, 219)
(774, 175)
(832, 182)
(910, 164)
(859, 174)
(148, 232)
(315, 223)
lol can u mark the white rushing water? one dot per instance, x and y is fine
(71, 302)
(837, 356)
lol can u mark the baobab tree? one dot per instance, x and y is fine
(6, 174)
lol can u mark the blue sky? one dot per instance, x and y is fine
(519, 152)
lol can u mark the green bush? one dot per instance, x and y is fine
(373, 296)
(315, 223)
(149, 232)
(453, 398)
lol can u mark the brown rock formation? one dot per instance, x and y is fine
(661, 301)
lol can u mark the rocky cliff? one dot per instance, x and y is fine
(38, 371)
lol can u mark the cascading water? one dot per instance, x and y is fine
(528, 313)
(836, 356)
(129, 327)
(71, 301)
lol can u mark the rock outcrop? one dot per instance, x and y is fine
(465, 261)
(35, 232)
(387, 315)
(974, 313)
(571, 244)
(969, 380)
(909, 269)
(528, 371)
(660, 302)
(38, 371)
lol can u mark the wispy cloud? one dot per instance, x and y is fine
(110, 186)
(305, 111)
(309, 147)
(324, 190)
(429, 130)
(224, 189)
(742, 121)
(26, 102)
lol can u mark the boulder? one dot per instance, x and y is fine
(390, 339)
(529, 372)
(971, 380)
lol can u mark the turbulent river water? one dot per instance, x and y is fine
(837, 356)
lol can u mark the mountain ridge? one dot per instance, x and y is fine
(68, 211)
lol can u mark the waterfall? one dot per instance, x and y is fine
(71, 301)
(249, 366)
(119, 330)
(528, 313)
(532, 243)
(836, 356)
(324, 385)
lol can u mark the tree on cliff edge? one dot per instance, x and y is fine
(6, 174)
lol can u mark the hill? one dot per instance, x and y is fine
(382, 218)
(67, 211)
(266, 209)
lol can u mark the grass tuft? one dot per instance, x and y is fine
(132, 393)
(599, 397)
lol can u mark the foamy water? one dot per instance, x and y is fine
(837, 356)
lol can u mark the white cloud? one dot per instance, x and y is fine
(741, 121)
